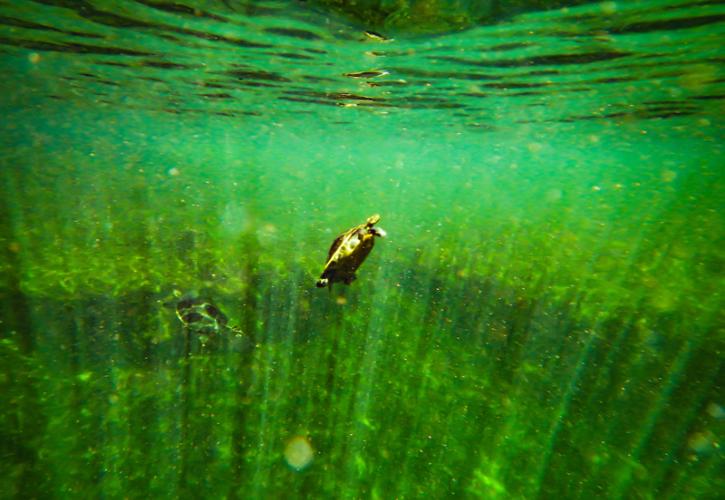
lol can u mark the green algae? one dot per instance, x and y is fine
(400, 375)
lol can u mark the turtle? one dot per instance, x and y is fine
(349, 251)
(201, 316)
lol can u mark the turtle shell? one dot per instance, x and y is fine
(349, 251)
(200, 316)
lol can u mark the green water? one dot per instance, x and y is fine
(543, 320)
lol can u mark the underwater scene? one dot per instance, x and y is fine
(374, 249)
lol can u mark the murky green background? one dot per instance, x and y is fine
(544, 319)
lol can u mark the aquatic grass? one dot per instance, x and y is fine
(428, 386)
(489, 359)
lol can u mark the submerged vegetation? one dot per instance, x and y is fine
(484, 358)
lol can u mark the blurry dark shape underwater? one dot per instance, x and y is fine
(204, 323)
(200, 315)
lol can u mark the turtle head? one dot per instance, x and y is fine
(372, 220)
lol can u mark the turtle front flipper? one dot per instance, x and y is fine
(327, 277)
(324, 282)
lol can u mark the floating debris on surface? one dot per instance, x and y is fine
(367, 74)
(373, 35)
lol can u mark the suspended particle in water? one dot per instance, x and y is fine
(554, 195)
(34, 57)
(608, 7)
(235, 219)
(703, 443)
(715, 411)
(298, 453)
(669, 176)
(173, 172)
